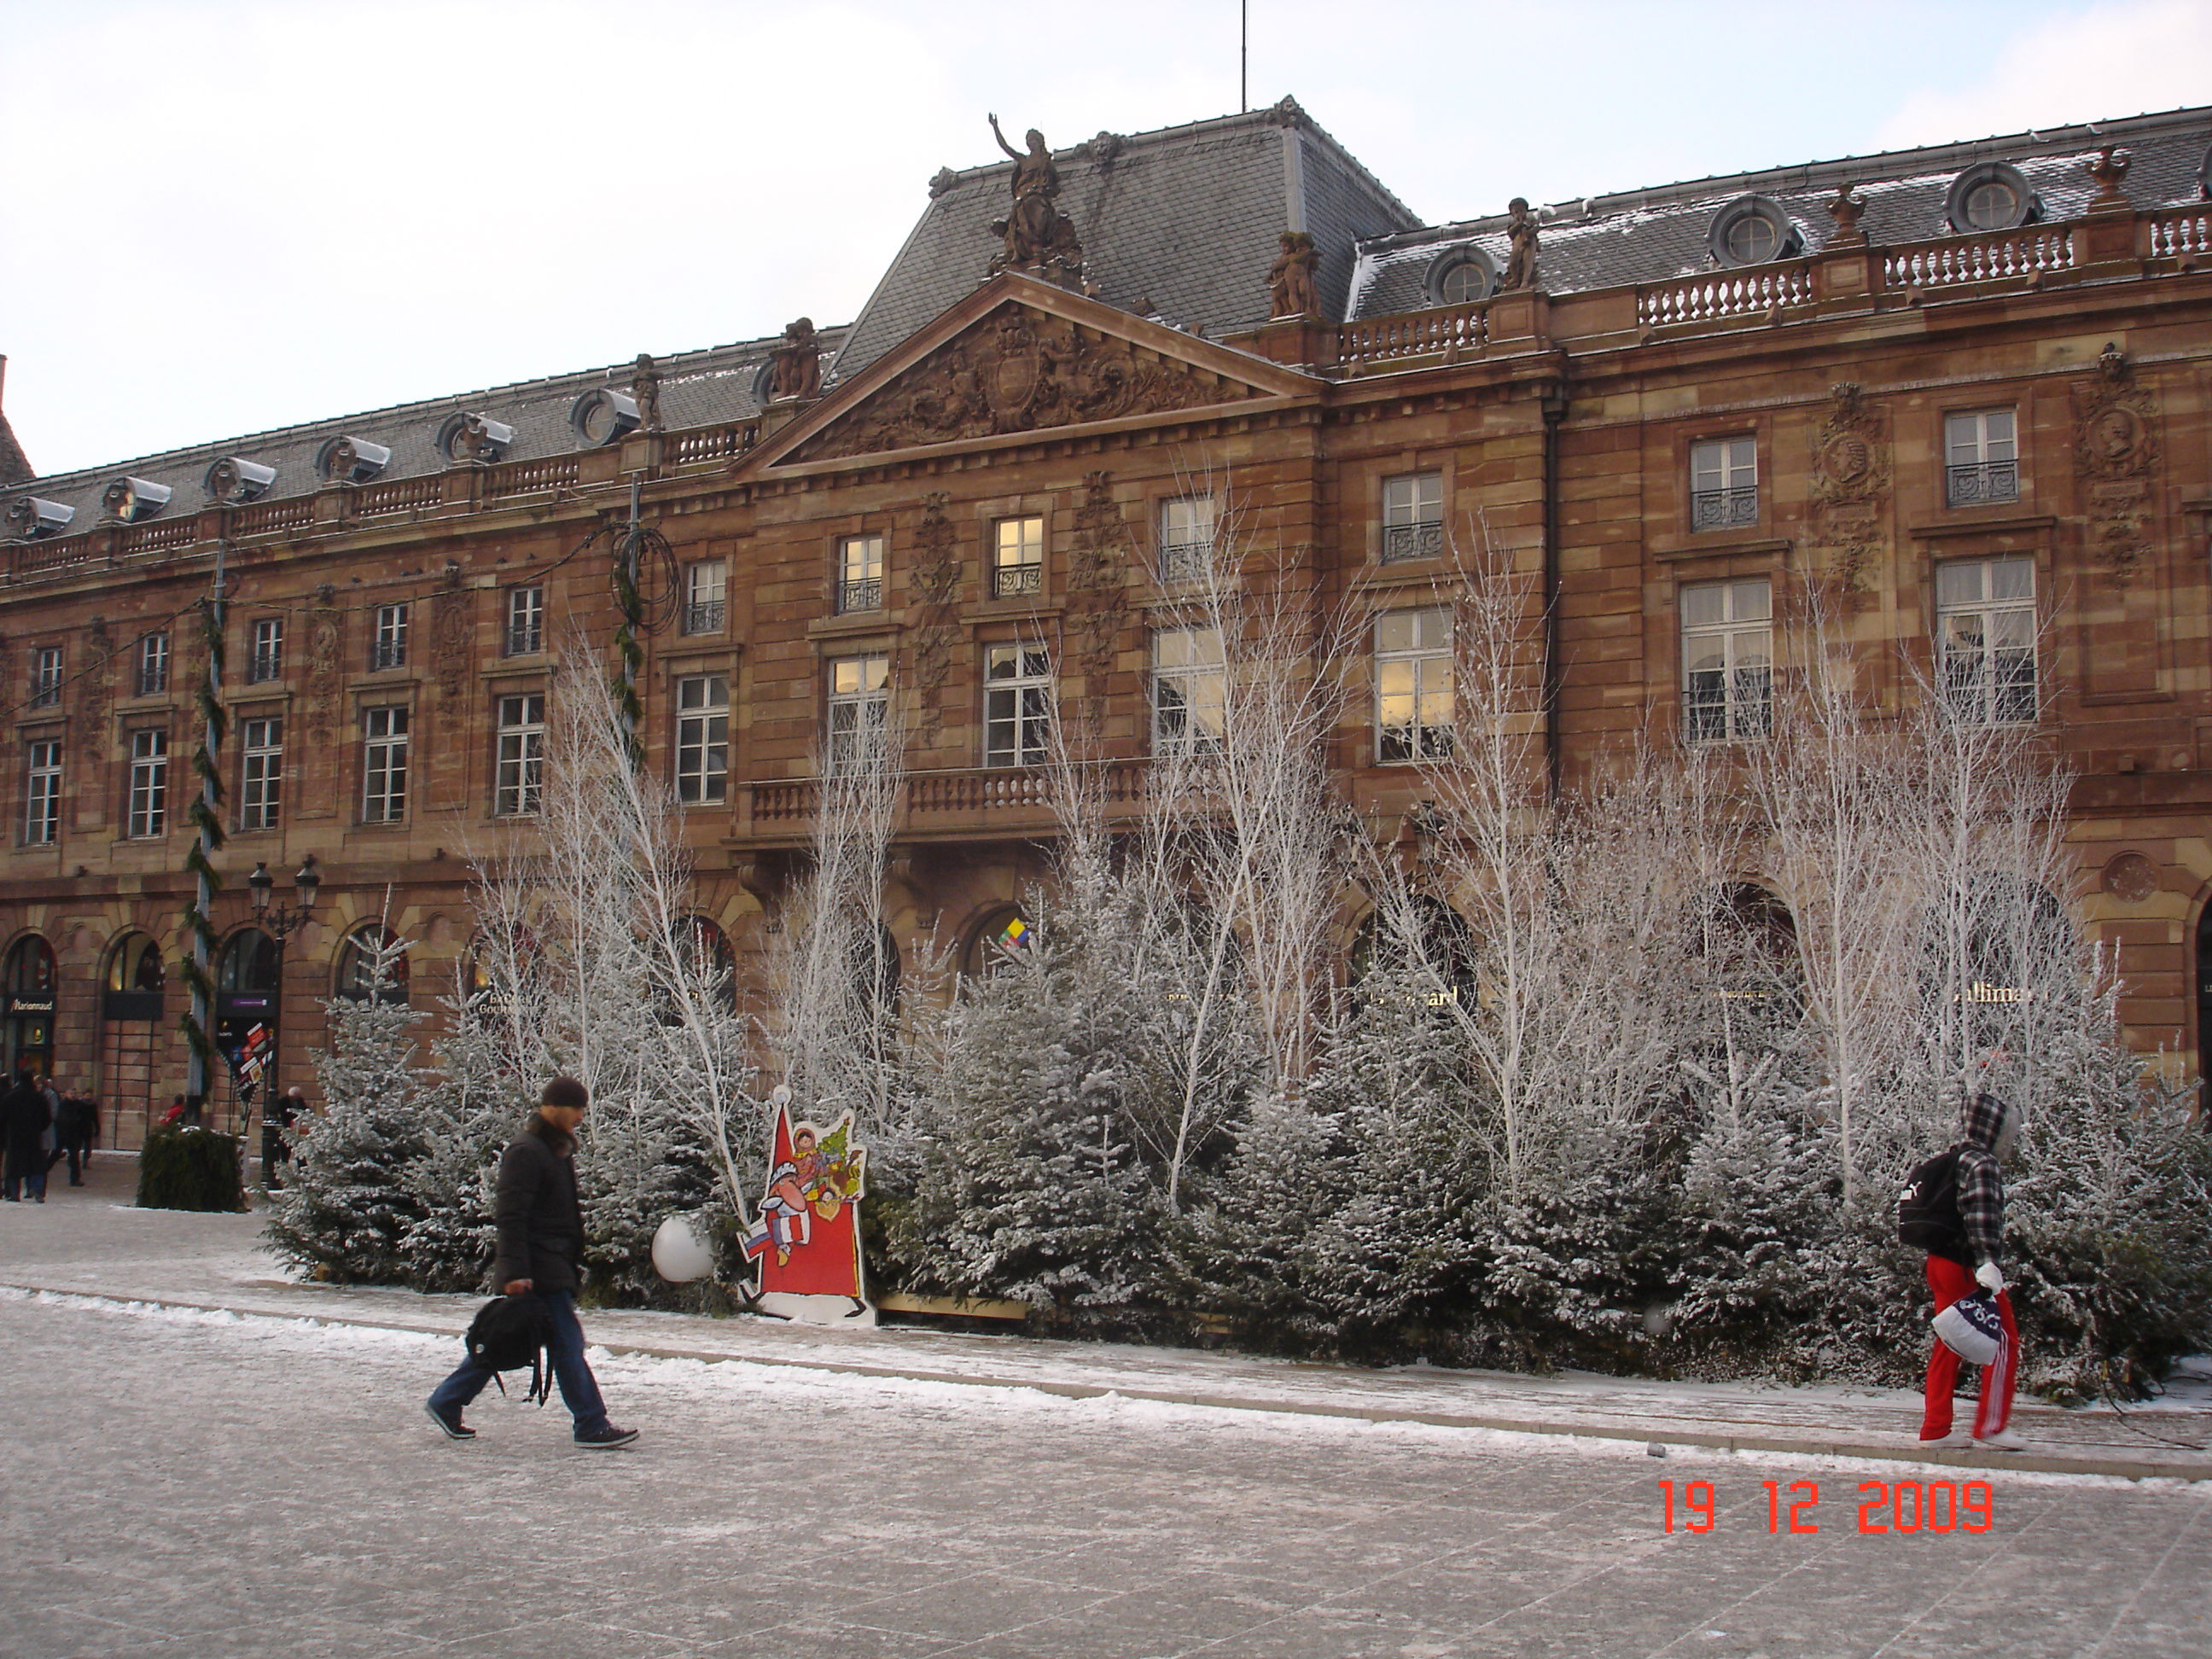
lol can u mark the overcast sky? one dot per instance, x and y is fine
(224, 216)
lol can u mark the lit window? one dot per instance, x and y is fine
(1723, 483)
(519, 777)
(389, 648)
(152, 677)
(1190, 690)
(1017, 705)
(1985, 639)
(859, 573)
(42, 811)
(266, 661)
(706, 596)
(703, 738)
(1187, 530)
(1981, 458)
(525, 633)
(860, 702)
(1413, 517)
(149, 813)
(261, 773)
(1412, 685)
(384, 765)
(372, 965)
(1018, 558)
(1728, 661)
(46, 677)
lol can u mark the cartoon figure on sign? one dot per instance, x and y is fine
(807, 1238)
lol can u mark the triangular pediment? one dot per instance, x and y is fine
(1035, 359)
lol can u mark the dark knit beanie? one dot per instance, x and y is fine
(565, 1091)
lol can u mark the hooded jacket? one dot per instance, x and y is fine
(1981, 1184)
(541, 1226)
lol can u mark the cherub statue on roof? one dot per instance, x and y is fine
(1520, 235)
(1290, 278)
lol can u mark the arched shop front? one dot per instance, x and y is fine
(29, 1019)
(133, 1042)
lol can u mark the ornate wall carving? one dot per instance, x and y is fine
(326, 641)
(936, 580)
(93, 688)
(1851, 489)
(2116, 451)
(1017, 371)
(1098, 605)
(452, 626)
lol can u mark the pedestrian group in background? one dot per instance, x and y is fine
(43, 1127)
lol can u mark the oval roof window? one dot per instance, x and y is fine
(1460, 275)
(602, 417)
(351, 460)
(1752, 230)
(1991, 195)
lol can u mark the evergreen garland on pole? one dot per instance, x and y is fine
(208, 839)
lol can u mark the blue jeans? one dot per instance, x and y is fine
(579, 1390)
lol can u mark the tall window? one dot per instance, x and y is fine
(1412, 685)
(147, 815)
(383, 764)
(1981, 457)
(389, 648)
(1413, 517)
(1018, 557)
(261, 773)
(1728, 661)
(859, 702)
(703, 738)
(152, 677)
(524, 634)
(46, 677)
(519, 778)
(859, 573)
(42, 794)
(1985, 639)
(1186, 537)
(706, 596)
(1016, 704)
(1723, 482)
(265, 661)
(1190, 690)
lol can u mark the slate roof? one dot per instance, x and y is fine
(1182, 223)
(1649, 235)
(697, 388)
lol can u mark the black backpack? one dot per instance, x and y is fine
(1928, 1216)
(508, 1333)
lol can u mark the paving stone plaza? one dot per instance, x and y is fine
(188, 1479)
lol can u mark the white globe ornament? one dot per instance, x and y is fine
(679, 1254)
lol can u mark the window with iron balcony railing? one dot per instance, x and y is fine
(1719, 509)
(865, 593)
(1009, 580)
(706, 616)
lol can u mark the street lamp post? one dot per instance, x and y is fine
(280, 922)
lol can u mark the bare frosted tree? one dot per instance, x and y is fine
(834, 977)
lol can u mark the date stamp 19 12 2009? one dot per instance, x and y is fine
(1884, 1506)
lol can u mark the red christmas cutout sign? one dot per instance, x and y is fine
(805, 1244)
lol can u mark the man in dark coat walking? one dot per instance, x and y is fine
(25, 1118)
(74, 1130)
(541, 1255)
(1988, 1129)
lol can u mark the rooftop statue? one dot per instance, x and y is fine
(1290, 278)
(795, 364)
(1039, 237)
(1520, 262)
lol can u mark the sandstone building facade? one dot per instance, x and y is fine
(1968, 385)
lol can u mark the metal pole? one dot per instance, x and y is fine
(196, 1078)
(1243, 56)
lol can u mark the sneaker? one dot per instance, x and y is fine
(451, 1427)
(1949, 1438)
(2003, 1440)
(605, 1439)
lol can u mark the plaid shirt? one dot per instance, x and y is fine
(1981, 1184)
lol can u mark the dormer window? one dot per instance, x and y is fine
(1752, 230)
(1461, 275)
(1991, 195)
